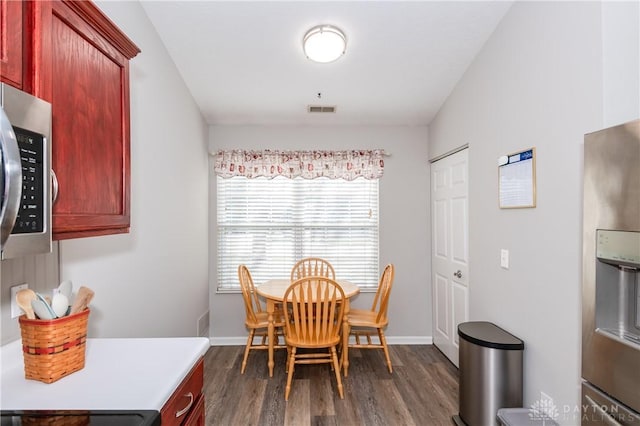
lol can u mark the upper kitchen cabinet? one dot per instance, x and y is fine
(12, 15)
(81, 66)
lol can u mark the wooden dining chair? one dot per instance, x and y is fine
(312, 266)
(365, 322)
(313, 319)
(256, 319)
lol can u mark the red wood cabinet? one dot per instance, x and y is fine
(12, 15)
(75, 58)
(196, 416)
(185, 407)
(85, 75)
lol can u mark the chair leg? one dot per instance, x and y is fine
(246, 350)
(336, 367)
(291, 361)
(286, 361)
(383, 341)
(344, 353)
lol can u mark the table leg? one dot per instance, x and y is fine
(270, 334)
(345, 339)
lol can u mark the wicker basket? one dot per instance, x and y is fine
(53, 349)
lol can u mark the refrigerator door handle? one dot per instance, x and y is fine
(11, 180)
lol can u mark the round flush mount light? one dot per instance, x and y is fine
(324, 43)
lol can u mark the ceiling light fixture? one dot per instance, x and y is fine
(324, 43)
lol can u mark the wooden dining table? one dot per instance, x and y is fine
(273, 291)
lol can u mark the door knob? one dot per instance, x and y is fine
(458, 274)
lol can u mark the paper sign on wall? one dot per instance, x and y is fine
(517, 179)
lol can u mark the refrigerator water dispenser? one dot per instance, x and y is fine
(617, 295)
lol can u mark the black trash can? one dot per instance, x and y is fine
(490, 368)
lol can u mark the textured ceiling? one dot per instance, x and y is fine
(243, 61)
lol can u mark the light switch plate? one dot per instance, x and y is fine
(15, 309)
(504, 258)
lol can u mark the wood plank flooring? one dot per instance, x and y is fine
(422, 390)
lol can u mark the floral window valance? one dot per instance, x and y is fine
(347, 165)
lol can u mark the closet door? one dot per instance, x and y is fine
(450, 250)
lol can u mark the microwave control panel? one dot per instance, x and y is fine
(31, 212)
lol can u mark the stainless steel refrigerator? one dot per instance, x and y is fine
(610, 288)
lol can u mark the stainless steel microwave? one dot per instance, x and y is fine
(25, 174)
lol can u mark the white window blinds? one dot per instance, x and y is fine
(269, 224)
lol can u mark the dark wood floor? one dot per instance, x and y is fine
(422, 390)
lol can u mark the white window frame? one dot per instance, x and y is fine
(283, 221)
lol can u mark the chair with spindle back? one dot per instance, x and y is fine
(312, 266)
(313, 320)
(256, 319)
(365, 322)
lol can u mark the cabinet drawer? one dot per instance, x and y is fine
(196, 416)
(185, 398)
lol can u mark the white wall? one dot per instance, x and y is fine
(152, 281)
(538, 82)
(621, 61)
(404, 219)
(40, 272)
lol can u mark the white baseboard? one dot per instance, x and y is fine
(391, 340)
(228, 341)
(409, 340)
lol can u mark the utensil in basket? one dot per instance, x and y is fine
(82, 300)
(24, 298)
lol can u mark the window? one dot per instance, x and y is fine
(269, 224)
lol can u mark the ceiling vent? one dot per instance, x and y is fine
(319, 108)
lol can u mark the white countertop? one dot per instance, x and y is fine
(119, 374)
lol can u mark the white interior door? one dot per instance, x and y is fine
(449, 250)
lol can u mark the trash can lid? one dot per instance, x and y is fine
(489, 335)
